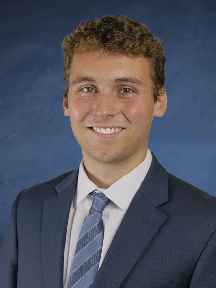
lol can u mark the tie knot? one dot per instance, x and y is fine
(100, 201)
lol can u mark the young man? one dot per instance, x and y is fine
(140, 226)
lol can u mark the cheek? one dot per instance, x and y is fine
(135, 110)
(79, 109)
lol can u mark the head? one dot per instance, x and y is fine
(114, 71)
(117, 35)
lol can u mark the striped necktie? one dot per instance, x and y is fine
(89, 246)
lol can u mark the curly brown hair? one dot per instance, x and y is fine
(118, 35)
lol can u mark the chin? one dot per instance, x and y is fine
(107, 157)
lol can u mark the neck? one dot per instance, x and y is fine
(104, 174)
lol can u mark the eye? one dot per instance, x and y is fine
(127, 90)
(88, 89)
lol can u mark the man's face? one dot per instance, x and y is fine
(111, 106)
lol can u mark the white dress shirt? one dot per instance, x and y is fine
(120, 193)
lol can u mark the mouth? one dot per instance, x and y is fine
(107, 131)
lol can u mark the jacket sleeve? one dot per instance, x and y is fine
(205, 271)
(9, 253)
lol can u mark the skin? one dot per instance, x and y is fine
(111, 91)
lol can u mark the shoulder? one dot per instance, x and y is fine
(191, 200)
(184, 189)
(39, 192)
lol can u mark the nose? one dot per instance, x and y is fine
(105, 105)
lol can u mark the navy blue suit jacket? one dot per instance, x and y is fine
(166, 239)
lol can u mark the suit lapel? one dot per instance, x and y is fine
(54, 228)
(139, 225)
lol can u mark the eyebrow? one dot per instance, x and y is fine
(82, 79)
(129, 80)
(117, 80)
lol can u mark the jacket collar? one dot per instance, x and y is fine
(155, 185)
(156, 178)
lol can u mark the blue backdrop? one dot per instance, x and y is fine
(36, 139)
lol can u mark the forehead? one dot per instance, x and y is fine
(102, 64)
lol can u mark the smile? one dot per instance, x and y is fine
(106, 130)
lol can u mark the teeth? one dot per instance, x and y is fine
(107, 130)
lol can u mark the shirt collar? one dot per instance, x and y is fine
(122, 191)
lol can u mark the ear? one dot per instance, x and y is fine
(161, 104)
(65, 107)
